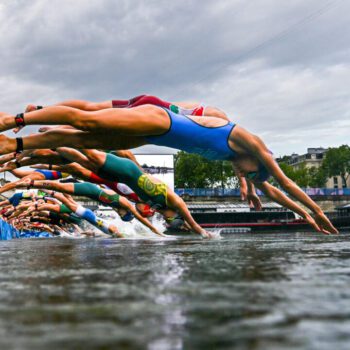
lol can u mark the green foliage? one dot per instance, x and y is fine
(299, 176)
(305, 177)
(337, 162)
(287, 169)
(317, 177)
(194, 171)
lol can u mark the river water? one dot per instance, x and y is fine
(245, 291)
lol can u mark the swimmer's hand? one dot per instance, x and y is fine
(113, 230)
(248, 194)
(254, 201)
(159, 233)
(310, 220)
(206, 234)
(324, 224)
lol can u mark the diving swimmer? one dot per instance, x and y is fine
(210, 137)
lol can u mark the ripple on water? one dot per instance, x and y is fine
(267, 291)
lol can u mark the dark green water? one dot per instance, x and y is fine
(262, 291)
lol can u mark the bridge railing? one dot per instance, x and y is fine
(235, 192)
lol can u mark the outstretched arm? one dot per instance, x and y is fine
(180, 206)
(252, 197)
(279, 197)
(247, 190)
(255, 146)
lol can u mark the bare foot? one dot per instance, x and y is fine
(45, 128)
(7, 121)
(30, 108)
(6, 158)
(18, 129)
(8, 167)
(7, 145)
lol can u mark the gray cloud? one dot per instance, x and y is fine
(280, 70)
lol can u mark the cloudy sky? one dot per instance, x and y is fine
(280, 69)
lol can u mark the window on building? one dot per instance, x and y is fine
(343, 183)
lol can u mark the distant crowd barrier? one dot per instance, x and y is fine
(235, 192)
(8, 232)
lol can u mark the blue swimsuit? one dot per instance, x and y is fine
(51, 174)
(187, 135)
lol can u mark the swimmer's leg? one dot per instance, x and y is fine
(48, 185)
(79, 104)
(30, 177)
(69, 138)
(92, 191)
(86, 105)
(143, 120)
(112, 167)
(99, 223)
(97, 106)
(126, 103)
(151, 100)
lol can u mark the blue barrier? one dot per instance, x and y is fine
(208, 192)
(235, 192)
(8, 232)
(327, 191)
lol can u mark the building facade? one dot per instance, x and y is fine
(314, 158)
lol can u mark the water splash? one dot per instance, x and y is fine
(135, 229)
(216, 234)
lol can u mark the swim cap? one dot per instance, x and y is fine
(175, 224)
(261, 175)
(146, 211)
(128, 216)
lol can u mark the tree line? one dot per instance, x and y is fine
(194, 171)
